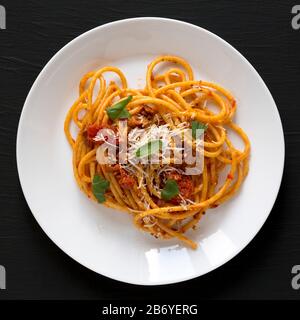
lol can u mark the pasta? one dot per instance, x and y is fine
(163, 200)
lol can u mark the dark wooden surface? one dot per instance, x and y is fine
(261, 31)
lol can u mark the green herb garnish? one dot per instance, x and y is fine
(149, 148)
(118, 110)
(170, 190)
(198, 125)
(99, 186)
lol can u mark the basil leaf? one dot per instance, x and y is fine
(100, 197)
(149, 148)
(170, 190)
(198, 125)
(99, 186)
(124, 114)
(118, 110)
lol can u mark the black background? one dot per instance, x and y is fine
(262, 32)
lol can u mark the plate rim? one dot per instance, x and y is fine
(107, 25)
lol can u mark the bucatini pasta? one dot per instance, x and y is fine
(162, 197)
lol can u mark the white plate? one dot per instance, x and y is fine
(105, 240)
